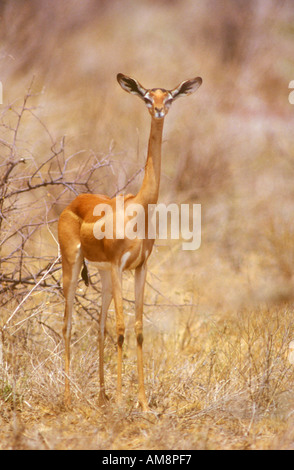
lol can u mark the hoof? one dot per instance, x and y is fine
(145, 407)
(67, 400)
(103, 399)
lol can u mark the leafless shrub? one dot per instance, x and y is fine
(33, 192)
(30, 191)
(217, 372)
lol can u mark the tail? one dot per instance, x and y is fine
(84, 273)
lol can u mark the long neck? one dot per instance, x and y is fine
(148, 193)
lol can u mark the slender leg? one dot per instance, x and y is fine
(140, 278)
(106, 299)
(116, 277)
(71, 271)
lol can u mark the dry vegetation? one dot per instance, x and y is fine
(218, 321)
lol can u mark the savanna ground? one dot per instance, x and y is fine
(219, 320)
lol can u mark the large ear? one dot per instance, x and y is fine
(186, 88)
(131, 85)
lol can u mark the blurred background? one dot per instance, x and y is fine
(228, 147)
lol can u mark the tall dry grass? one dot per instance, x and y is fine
(218, 321)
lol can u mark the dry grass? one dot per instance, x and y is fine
(218, 321)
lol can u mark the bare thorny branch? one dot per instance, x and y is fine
(30, 191)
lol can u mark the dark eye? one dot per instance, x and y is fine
(148, 102)
(168, 102)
